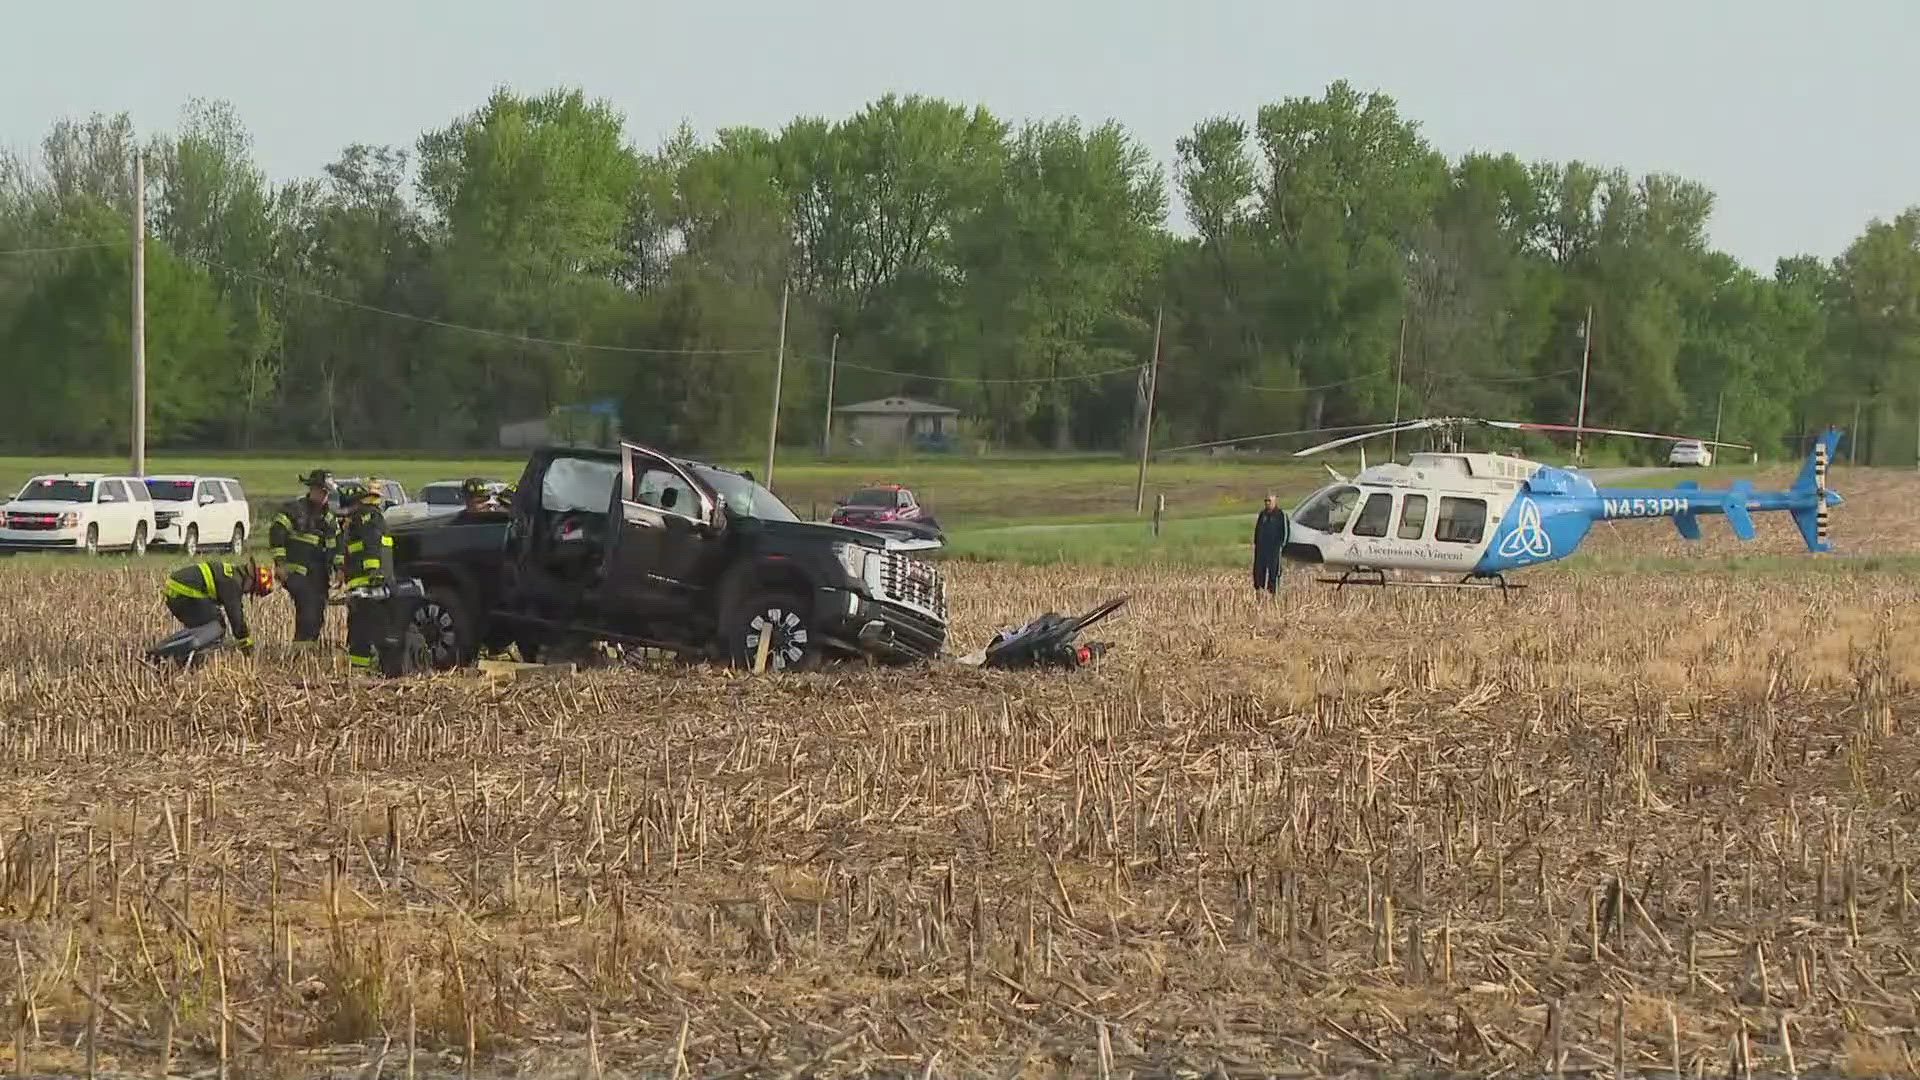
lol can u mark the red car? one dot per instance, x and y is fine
(886, 508)
(875, 504)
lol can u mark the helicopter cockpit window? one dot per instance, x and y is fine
(1327, 510)
(1374, 515)
(1460, 521)
(1413, 517)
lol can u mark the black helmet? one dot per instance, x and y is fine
(474, 488)
(352, 493)
(318, 478)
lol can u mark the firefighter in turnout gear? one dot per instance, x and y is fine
(302, 537)
(365, 558)
(477, 497)
(197, 594)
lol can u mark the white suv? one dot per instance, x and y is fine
(196, 512)
(84, 511)
(1690, 452)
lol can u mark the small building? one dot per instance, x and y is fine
(886, 423)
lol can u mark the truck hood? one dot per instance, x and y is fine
(44, 506)
(413, 522)
(820, 532)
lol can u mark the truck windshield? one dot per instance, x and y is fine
(171, 490)
(744, 497)
(55, 489)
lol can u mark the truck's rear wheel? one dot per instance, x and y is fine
(780, 618)
(446, 631)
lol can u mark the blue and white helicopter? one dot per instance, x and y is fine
(1481, 516)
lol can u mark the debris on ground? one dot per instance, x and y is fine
(1046, 641)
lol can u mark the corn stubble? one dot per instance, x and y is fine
(1627, 825)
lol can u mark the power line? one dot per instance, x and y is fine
(1309, 389)
(57, 250)
(973, 380)
(502, 335)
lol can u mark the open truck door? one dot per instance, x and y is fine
(670, 526)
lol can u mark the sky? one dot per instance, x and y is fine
(1799, 116)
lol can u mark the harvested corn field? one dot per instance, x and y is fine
(1625, 820)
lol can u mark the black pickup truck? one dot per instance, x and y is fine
(637, 548)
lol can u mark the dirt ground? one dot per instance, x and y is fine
(1620, 818)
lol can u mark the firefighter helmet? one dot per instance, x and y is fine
(351, 493)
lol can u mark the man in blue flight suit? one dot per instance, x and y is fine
(1269, 536)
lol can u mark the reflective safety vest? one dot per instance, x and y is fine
(220, 582)
(365, 551)
(301, 535)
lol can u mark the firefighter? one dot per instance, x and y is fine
(364, 556)
(302, 537)
(476, 494)
(505, 498)
(197, 593)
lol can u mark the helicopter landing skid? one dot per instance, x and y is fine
(1375, 577)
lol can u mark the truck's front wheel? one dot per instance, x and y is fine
(445, 630)
(780, 620)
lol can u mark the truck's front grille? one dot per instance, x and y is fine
(32, 522)
(914, 583)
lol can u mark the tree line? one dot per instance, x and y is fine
(529, 255)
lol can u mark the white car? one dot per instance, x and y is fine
(79, 511)
(1690, 452)
(440, 498)
(196, 512)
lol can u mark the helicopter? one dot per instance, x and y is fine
(1483, 515)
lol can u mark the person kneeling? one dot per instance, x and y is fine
(197, 594)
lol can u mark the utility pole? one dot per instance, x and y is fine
(1586, 351)
(779, 368)
(139, 315)
(1853, 433)
(833, 361)
(1719, 405)
(1399, 369)
(1146, 431)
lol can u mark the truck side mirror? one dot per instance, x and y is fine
(717, 513)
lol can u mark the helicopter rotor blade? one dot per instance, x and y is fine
(1523, 425)
(1272, 435)
(1415, 425)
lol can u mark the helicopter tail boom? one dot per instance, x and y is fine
(1808, 501)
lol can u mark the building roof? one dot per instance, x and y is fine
(897, 406)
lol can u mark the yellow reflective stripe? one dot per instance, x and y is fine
(297, 568)
(355, 545)
(282, 519)
(279, 553)
(245, 641)
(206, 571)
(386, 541)
(359, 661)
(305, 538)
(181, 588)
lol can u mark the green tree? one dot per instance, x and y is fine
(1055, 252)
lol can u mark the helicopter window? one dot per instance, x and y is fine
(1327, 510)
(1413, 517)
(1460, 521)
(1374, 515)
